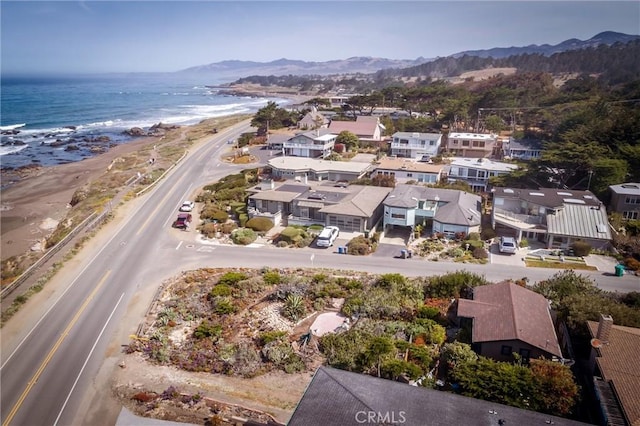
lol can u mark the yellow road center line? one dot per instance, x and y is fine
(53, 350)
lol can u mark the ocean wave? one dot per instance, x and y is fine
(11, 149)
(12, 126)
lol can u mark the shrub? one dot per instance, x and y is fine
(207, 329)
(339, 148)
(243, 218)
(430, 312)
(212, 212)
(480, 253)
(581, 248)
(487, 233)
(451, 284)
(473, 236)
(272, 278)
(232, 278)
(473, 244)
(524, 243)
(632, 264)
(220, 290)
(259, 224)
(359, 246)
(208, 229)
(293, 307)
(459, 236)
(243, 236)
(228, 227)
(271, 336)
(223, 305)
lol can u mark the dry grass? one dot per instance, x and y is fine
(558, 265)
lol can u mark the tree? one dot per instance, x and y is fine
(348, 139)
(556, 390)
(379, 348)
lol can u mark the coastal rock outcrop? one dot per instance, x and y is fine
(135, 131)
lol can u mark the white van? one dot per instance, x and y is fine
(328, 236)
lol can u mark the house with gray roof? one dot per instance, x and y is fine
(313, 120)
(415, 145)
(447, 211)
(506, 318)
(314, 169)
(404, 170)
(313, 144)
(352, 208)
(557, 217)
(625, 199)
(476, 171)
(522, 149)
(343, 398)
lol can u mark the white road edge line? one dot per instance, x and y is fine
(87, 359)
(65, 292)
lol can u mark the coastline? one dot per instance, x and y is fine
(37, 198)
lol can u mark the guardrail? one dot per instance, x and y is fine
(53, 250)
(145, 189)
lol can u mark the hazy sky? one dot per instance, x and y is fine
(128, 36)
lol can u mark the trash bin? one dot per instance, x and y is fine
(340, 250)
(619, 270)
(403, 254)
(344, 249)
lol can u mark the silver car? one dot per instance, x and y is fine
(507, 245)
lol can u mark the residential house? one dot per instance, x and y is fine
(366, 128)
(625, 199)
(352, 208)
(522, 149)
(507, 318)
(615, 367)
(415, 145)
(404, 170)
(275, 142)
(313, 120)
(302, 168)
(441, 210)
(557, 217)
(476, 171)
(476, 145)
(312, 144)
(338, 398)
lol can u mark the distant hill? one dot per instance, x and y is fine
(608, 38)
(369, 65)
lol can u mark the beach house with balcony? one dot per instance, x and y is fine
(404, 170)
(314, 169)
(476, 171)
(316, 143)
(522, 149)
(476, 145)
(625, 199)
(557, 217)
(415, 145)
(446, 211)
(313, 120)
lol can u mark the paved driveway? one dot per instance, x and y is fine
(497, 258)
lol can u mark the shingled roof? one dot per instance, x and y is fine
(619, 365)
(506, 311)
(341, 398)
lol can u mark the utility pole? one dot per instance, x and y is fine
(589, 183)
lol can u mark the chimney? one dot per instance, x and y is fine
(604, 328)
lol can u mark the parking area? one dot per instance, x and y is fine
(497, 258)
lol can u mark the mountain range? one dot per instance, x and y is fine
(366, 65)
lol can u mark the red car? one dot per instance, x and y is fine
(183, 221)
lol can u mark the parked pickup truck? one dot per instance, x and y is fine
(183, 221)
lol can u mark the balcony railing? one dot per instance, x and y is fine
(517, 217)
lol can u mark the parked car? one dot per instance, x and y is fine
(187, 206)
(327, 236)
(183, 221)
(507, 245)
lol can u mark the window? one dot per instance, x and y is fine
(632, 200)
(409, 174)
(506, 350)
(398, 215)
(525, 353)
(633, 215)
(432, 143)
(455, 141)
(478, 144)
(465, 143)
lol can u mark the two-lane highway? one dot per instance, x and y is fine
(44, 374)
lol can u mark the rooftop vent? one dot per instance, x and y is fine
(573, 201)
(537, 194)
(565, 193)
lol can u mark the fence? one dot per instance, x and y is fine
(89, 223)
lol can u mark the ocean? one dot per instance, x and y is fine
(55, 120)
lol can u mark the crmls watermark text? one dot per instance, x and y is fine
(376, 417)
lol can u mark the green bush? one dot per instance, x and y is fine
(228, 227)
(223, 305)
(220, 290)
(243, 236)
(429, 312)
(208, 229)
(581, 248)
(207, 329)
(487, 233)
(473, 236)
(259, 224)
(232, 278)
(243, 218)
(272, 336)
(473, 244)
(524, 243)
(359, 246)
(212, 212)
(451, 284)
(272, 278)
